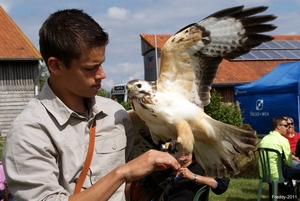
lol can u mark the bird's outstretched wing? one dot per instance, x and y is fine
(190, 58)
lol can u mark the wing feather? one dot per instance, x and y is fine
(190, 58)
(205, 77)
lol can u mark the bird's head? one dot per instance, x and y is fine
(139, 89)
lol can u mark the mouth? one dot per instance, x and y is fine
(97, 86)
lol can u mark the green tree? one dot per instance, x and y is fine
(44, 74)
(102, 92)
(229, 113)
(126, 105)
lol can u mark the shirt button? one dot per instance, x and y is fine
(114, 147)
(96, 179)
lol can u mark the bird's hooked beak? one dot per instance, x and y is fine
(129, 87)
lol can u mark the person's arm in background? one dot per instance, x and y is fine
(218, 185)
(223, 184)
(211, 182)
(295, 158)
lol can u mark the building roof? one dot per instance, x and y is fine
(233, 72)
(241, 72)
(161, 39)
(13, 43)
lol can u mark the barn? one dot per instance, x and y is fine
(19, 71)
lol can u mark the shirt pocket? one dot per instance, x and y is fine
(110, 151)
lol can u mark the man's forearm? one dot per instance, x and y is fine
(102, 189)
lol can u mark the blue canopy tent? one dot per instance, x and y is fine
(275, 94)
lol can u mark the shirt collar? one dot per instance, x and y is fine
(58, 109)
(275, 133)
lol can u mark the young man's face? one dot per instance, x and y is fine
(83, 77)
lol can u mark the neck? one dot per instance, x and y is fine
(71, 100)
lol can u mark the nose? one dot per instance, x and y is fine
(100, 74)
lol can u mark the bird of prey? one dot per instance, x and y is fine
(172, 107)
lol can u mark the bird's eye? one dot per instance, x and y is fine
(139, 85)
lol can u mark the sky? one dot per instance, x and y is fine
(125, 20)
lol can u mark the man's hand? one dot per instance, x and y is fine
(146, 163)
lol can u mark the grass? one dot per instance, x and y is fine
(244, 186)
(242, 190)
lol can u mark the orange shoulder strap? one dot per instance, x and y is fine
(88, 159)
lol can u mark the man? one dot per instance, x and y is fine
(47, 144)
(276, 140)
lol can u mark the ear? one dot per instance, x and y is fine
(55, 65)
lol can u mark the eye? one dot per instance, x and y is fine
(91, 68)
(139, 85)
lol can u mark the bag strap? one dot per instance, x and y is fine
(88, 159)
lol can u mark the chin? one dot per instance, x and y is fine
(90, 95)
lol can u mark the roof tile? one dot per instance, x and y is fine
(13, 43)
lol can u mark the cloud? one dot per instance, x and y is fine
(123, 73)
(6, 5)
(107, 84)
(116, 13)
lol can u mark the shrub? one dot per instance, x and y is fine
(126, 105)
(229, 113)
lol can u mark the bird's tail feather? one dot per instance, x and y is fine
(225, 142)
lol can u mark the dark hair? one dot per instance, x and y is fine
(66, 33)
(276, 121)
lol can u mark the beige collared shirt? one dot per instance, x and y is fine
(47, 144)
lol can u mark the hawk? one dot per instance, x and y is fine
(172, 107)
